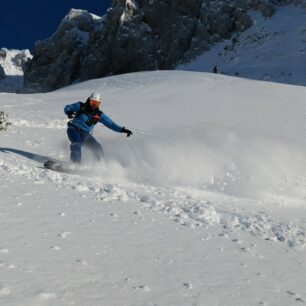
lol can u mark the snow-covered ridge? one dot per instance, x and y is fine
(76, 13)
(77, 25)
(12, 61)
(81, 20)
(12, 64)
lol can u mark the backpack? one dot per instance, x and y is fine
(94, 114)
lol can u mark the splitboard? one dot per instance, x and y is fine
(61, 166)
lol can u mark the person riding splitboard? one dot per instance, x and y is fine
(84, 117)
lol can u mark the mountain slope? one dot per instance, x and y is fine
(136, 35)
(205, 205)
(273, 49)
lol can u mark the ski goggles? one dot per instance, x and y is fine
(94, 103)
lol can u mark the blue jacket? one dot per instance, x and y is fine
(80, 121)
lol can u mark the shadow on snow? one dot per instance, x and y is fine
(36, 157)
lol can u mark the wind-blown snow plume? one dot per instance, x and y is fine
(211, 159)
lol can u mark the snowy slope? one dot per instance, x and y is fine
(273, 49)
(204, 205)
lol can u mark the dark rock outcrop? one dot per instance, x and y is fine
(57, 60)
(135, 35)
(2, 73)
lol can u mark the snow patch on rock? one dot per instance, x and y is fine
(12, 63)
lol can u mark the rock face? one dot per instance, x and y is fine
(135, 35)
(57, 60)
(2, 73)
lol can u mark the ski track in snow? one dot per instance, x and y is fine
(52, 124)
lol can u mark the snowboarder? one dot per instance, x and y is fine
(83, 117)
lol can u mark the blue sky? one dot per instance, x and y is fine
(22, 22)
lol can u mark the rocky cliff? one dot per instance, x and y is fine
(136, 35)
(2, 73)
(57, 61)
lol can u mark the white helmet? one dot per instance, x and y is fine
(95, 96)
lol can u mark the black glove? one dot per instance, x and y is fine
(70, 114)
(128, 132)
